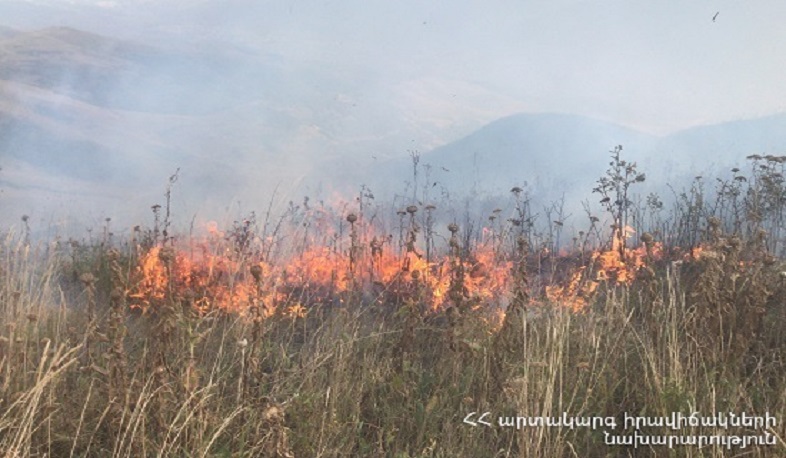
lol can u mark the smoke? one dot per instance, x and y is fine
(100, 102)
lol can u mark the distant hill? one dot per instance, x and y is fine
(87, 118)
(91, 112)
(729, 142)
(553, 153)
(558, 154)
(118, 74)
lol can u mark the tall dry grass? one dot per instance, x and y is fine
(84, 374)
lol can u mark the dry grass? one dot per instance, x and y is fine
(83, 374)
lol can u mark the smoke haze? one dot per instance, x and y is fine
(100, 102)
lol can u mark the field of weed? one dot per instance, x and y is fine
(367, 329)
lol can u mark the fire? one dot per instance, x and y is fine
(575, 294)
(621, 264)
(212, 274)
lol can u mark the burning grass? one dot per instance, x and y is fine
(340, 333)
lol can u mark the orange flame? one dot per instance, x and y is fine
(210, 274)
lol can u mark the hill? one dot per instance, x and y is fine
(559, 154)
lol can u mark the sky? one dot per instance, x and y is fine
(655, 66)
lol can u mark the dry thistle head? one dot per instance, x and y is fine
(412, 209)
(647, 238)
(646, 273)
(116, 294)
(113, 254)
(256, 272)
(453, 228)
(415, 274)
(189, 294)
(452, 314)
(166, 255)
(352, 218)
(273, 414)
(242, 343)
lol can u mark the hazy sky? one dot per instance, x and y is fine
(657, 66)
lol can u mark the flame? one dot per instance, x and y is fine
(621, 264)
(329, 266)
(575, 294)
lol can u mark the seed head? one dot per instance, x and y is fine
(116, 294)
(273, 414)
(256, 272)
(87, 278)
(167, 254)
(412, 209)
(453, 228)
(352, 218)
(113, 254)
(647, 238)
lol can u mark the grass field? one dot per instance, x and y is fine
(366, 329)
